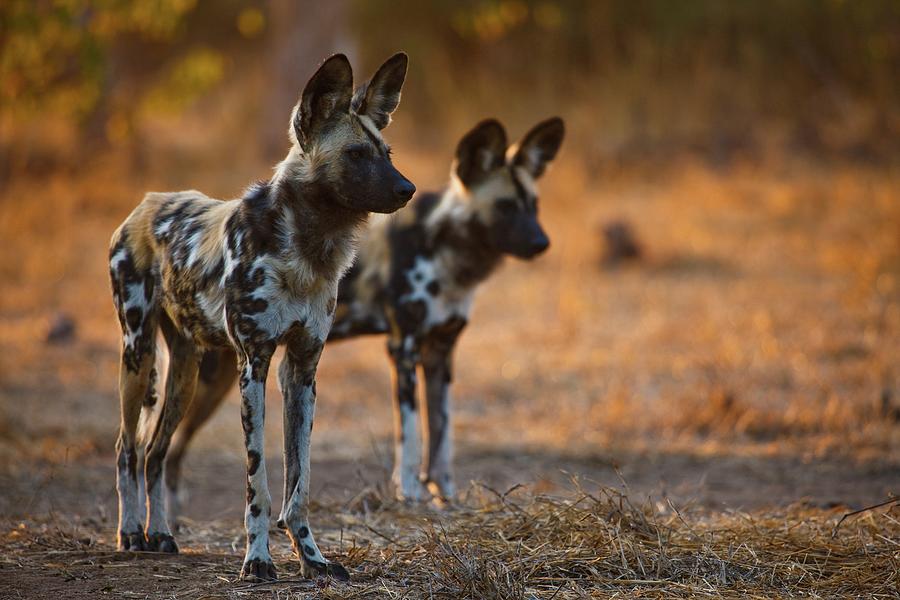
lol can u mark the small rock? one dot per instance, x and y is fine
(621, 243)
(61, 330)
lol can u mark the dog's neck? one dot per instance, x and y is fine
(456, 226)
(316, 226)
(296, 215)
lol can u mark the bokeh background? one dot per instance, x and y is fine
(718, 317)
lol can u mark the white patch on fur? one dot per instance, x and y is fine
(129, 515)
(449, 302)
(117, 259)
(487, 159)
(194, 244)
(164, 227)
(135, 299)
(231, 260)
(213, 306)
(527, 181)
(369, 124)
(284, 308)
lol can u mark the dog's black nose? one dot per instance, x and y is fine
(538, 245)
(404, 190)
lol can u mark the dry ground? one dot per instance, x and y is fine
(721, 403)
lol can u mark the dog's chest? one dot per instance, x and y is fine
(288, 294)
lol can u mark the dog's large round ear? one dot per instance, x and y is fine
(479, 152)
(539, 146)
(380, 96)
(327, 94)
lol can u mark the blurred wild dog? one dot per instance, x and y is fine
(414, 280)
(248, 275)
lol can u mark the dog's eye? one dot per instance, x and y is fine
(507, 206)
(356, 152)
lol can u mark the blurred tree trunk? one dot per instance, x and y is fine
(302, 34)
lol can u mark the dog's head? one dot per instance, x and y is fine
(339, 132)
(500, 182)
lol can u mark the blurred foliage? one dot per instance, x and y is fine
(641, 64)
(55, 52)
(103, 65)
(624, 73)
(188, 79)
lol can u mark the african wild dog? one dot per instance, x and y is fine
(414, 279)
(248, 275)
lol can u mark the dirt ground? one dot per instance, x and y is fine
(746, 364)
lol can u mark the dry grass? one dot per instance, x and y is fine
(509, 546)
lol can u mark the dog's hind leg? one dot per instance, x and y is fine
(134, 297)
(181, 382)
(148, 419)
(218, 372)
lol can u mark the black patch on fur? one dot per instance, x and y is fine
(438, 344)
(410, 315)
(253, 460)
(150, 397)
(521, 192)
(213, 276)
(127, 459)
(471, 242)
(433, 287)
(303, 532)
(303, 350)
(405, 361)
(485, 140)
(320, 219)
(246, 418)
(255, 510)
(309, 550)
(260, 218)
(123, 275)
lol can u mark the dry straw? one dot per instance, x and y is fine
(515, 545)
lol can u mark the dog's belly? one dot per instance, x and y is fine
(200, 318)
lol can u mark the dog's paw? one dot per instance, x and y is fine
(314, 568)
(133, 541)
(161, 542)
(258, 569)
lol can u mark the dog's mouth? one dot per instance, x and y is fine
(388, 207)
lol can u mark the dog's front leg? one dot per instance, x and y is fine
(254, 366)
(296, 375)
(437, 355)
(404, 353)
